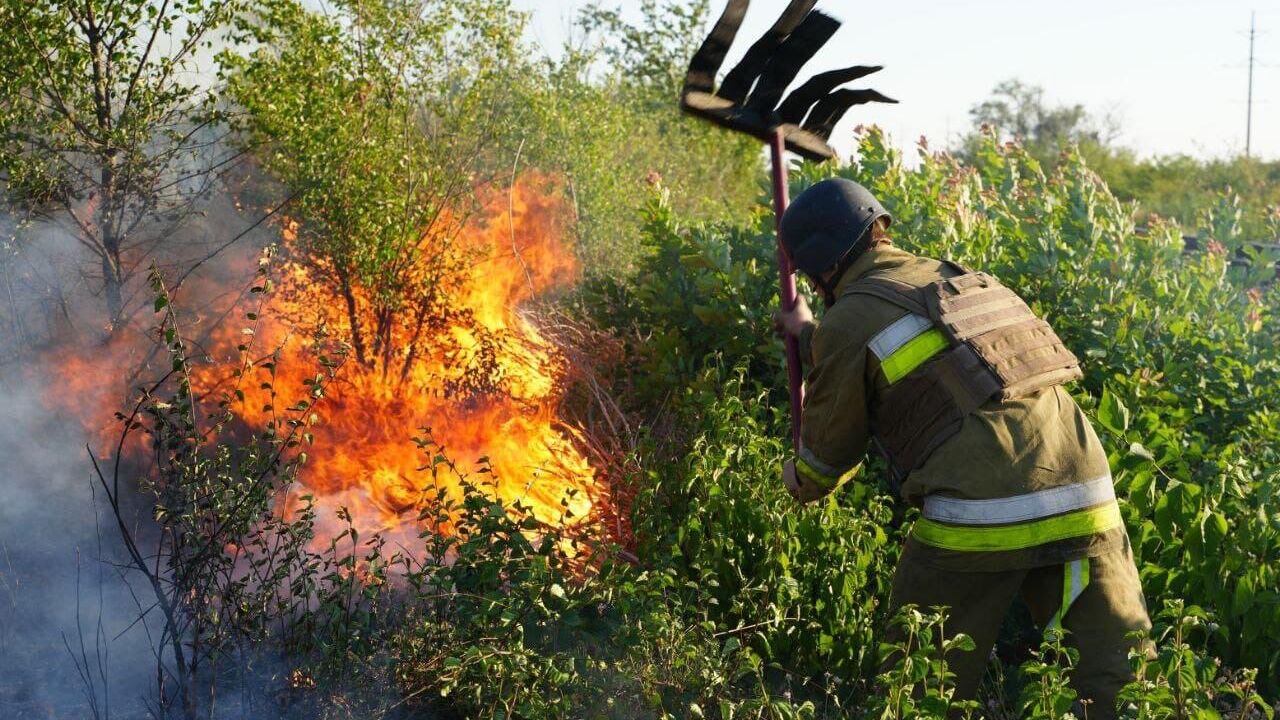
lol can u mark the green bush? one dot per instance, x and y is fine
(803, 583)
(702, 295)
(916, 681)
(1180, 681)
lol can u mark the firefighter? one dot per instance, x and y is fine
(953, 378)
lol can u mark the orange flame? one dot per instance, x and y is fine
(363, 458)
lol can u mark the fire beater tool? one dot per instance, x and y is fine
(750, 100)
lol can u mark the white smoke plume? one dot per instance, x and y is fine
(71, 644)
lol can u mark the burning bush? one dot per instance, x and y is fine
(462, 360)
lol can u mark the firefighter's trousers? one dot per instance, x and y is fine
(1110, 606)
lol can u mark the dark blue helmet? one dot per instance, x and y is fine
(828, 221)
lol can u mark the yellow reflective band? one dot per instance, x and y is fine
(911, 355)
(1075, 578)
(976, 538)
(826, 482)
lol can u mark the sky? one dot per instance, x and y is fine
(1173, 74)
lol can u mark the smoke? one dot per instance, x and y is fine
(71, 641)
(60, 600)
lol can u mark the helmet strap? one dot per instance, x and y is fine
(828, 287)
(828, 291)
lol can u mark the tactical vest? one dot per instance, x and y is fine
(965, 341)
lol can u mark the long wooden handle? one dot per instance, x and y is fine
(786, 280)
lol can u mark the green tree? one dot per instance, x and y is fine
(654, 52)
(1017, 110)
(1177, 187)
(378, 116)
(1189, 191)
(606, 117)
(106, 126)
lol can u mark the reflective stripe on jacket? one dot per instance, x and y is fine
(1021, 521)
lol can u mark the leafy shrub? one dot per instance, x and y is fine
(1180, 682)
(1047, 693)
(801, 585)
(701, 295)
(918, 683)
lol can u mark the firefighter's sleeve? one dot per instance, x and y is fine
(834, 424)
(806, 344)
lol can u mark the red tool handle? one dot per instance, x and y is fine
(786, 280)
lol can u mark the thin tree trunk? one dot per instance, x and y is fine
(353, 317)
(110, 207)
(112, 285)
(19, 330)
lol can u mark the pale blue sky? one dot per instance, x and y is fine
(1172, 73)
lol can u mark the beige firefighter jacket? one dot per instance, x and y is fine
(1004, 449)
